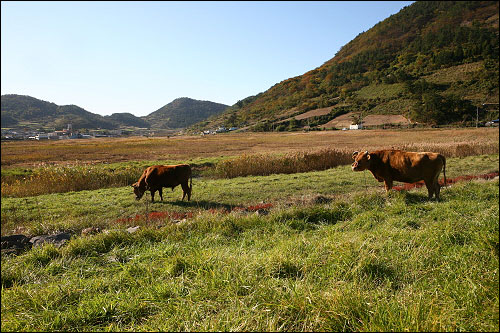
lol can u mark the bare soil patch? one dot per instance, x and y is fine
(314, 113)
(375, 120)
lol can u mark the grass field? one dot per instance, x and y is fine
(321, 250)
(107, 208)
(28, 154)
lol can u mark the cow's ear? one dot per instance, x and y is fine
(134, 185)
(355, 154)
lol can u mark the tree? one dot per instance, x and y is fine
(356, 118)
(232, 120)
(293, 124)
(435, 109)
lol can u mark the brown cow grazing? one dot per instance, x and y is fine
(408, 167)
(157, 176)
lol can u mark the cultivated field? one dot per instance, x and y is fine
(186, 148)
(311, 246)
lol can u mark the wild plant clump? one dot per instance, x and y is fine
(267, 164)
(57, 179)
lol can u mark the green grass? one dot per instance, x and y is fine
(393, 106)
(361, 261)
(381, 90)
(374, 263)
(74, 211)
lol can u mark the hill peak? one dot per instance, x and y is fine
(183, 112)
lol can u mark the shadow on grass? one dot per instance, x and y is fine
(417, 198)
(204, 204)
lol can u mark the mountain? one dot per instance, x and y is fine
(183, 112)
(27, 111)
(434, 62)
(20, 110)
(127, 120)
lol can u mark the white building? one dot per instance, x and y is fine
(42, 136)
(355, 126)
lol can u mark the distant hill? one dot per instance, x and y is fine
(30, 112)
(128, 120)
(20, 110)
(183, 112)
(433, 62)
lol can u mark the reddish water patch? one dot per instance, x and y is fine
(448, 181)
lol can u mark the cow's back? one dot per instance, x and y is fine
(410, 167)
(167, 175)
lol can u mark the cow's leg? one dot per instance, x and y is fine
(185, 190)
(437, 187)
(388, 184)
(161, 193)
(153, 195)
(430, 187)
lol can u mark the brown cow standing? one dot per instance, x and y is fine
(157, 176)
(401, 166)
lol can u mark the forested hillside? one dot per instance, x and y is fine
(433, 62)
(183, 112)
(27, 111)
(20, 111)
(127, 119)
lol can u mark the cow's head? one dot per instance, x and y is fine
(138, 190)
(361, 161)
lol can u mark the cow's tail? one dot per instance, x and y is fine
(444, 169)
(190, 184)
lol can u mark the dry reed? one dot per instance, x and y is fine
(57, 179)
(455, 149)
(267, 164)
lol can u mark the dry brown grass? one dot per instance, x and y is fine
(267, 164)
(185, 148)
(59, 179)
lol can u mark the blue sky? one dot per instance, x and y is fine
(135, 57)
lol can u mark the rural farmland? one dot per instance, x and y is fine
(185, 148)
(174, 166)
(314, 250)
